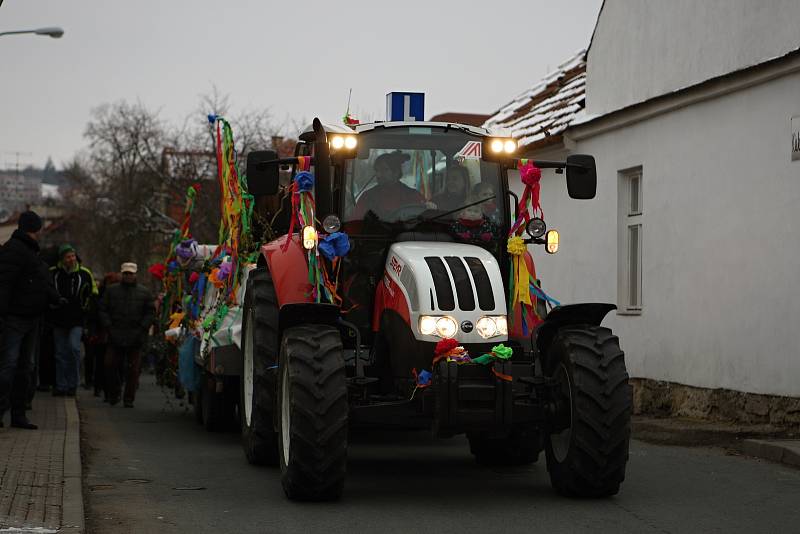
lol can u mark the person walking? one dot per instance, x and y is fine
(126, 311)
(75, 284)
(97, 337)
(25, 292)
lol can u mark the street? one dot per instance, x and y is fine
(152, 469)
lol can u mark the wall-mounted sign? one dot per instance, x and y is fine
(795, 138)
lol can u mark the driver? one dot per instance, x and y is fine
(390, 194)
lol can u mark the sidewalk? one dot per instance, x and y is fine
(40, 470)
(777, 444)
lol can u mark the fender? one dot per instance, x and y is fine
(389, 296)
(305, 313)
(586, 313)
(289, 270)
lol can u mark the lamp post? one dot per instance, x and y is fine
(52, 31)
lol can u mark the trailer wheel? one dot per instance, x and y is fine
(313, 406)
(257, 383)
(516, 449)
(587, 449)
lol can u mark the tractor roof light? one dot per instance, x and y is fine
(552, 241)
(509, 146)
(346, 142)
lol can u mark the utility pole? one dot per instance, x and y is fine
(17, 154)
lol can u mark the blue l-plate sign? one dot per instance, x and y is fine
(405, 106)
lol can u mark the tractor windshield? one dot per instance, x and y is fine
(424, 175)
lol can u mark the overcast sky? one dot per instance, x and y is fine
(296, 58)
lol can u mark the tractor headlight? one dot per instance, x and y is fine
(427, 325)
(446, 327)
(441, 326)
(489, 327)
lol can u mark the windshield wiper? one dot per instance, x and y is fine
(450, 212)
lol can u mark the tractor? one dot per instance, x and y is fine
(419, 271)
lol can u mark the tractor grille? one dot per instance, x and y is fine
(456, 279)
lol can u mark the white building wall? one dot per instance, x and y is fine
(721, 249)
(645, 48)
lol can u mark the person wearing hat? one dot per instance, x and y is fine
(25, 293)
(127, 311)
(76, 285)
(390, 194)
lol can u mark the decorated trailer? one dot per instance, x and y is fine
(203, 291)
(402, 293)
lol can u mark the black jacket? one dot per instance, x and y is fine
(127, 311)
(77, 287)
(25, 286)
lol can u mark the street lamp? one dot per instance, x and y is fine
(53, 31)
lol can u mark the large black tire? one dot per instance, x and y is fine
(312, 400)
(516, 449)
(588, 458)
(257, 384)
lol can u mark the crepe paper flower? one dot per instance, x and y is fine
(530, 174)
(194, 277)
(158, 270)
(304, 181)
(212, 118)
(186, 250)
(516, 246)
(335, 245)
(444, 346)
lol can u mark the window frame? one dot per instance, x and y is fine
(630, 300)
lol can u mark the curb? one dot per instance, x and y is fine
(786, 452)
(72, 520)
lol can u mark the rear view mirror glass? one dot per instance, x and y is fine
(262, 177)
(581, 176)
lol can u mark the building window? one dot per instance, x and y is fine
(629, 242)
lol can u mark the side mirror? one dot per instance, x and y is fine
(262, 177)
(581, 176)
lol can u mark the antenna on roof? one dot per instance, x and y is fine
(348, 119)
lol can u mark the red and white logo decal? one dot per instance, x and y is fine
(396, 265)
(472, 150)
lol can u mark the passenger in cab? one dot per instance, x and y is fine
(455, 191)
(390, 194)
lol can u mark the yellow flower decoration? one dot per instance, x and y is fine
(516, 246)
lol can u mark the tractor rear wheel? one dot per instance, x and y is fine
(312, 400)
(257, 384)
(516, 449)
(587, 450)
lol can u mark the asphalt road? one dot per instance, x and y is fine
(152, 469)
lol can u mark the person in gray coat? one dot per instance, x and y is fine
(126, 311)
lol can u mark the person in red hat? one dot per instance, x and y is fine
(25, 292)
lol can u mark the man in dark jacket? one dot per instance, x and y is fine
(25, 291)
(127, 311)
(75, 284)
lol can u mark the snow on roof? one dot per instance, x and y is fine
(540, 115)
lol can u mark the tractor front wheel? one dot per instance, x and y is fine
(587, 449)
(312, 403)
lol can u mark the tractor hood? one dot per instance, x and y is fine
(457, 280)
